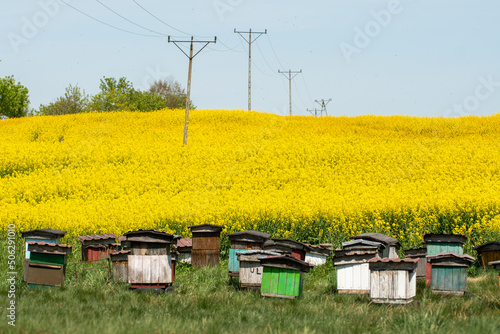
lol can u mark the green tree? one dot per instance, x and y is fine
(172, 93)
(14, 98)
(114, 95)
(74, 101)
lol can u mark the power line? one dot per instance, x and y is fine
(272, 48)
(107, 24)
(157, 18)
(300, 97)
(323, 104)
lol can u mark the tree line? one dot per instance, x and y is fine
(114, 94)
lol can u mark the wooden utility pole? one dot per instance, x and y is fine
(188, 90)
(290, 72)
(249, 41)
(323, 104)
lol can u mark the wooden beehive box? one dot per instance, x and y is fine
(47, 263)
(241, 241)
(353, 271)
(437, 243)
(449, 272)
(391, 245)
(298, 248)
(119, 261)
(206, 245)
(488, 252)
(393, 281)
(97, 247)
(46, 235)
(183, 248)
(149, 261)
(317, 255)
(282, 276)
(250, 276)
(420, 254)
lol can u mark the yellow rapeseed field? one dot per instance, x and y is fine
(310, 178)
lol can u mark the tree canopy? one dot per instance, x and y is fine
(14, 98)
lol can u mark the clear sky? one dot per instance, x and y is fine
(417, 58)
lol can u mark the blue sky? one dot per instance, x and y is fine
(417, 58)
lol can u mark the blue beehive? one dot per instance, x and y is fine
(449, 272)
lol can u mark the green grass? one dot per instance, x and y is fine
(205, 301)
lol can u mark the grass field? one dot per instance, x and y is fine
(204, 302)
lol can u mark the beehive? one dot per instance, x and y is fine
(420, 254)
(298, 248)
(390, 245)
(47, 263)
(206, 245)
(437, 243)
(241, 241)
(393, 281)
(449, 272)
(488, 252)
(282, 276)
(119, 261)
(45, 235)
(353, 271)
(149, 261)
(250, 276)
(317, 255)
(97, 247)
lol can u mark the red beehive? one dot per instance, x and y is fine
(97, 247)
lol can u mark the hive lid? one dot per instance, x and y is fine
(416, 252)
(149, 236)
(206, 228)
(495, 264)
(243, 234)
(97, 238)
(254, 255)
(184, 243)
(45, 233)
(393, 264)
(315, 249)
(359, 242)
(285, 262)
(442, 237)
(49, 248)
(294, 244)
(489, 246)
(378, 237)
(450, 259)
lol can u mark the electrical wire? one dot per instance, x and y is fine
(298, 93)
(123, 17)
(157, 18)
(107, 24)
(272, 48)
(307, 90)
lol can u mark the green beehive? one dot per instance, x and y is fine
(444, 243)
(449, 272)
(47, 264)
(282, 276)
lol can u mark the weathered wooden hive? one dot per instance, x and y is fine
(420, 254)
(353, 270)
(393, 281)
(183, 249)
(282, 276)
(437, 243)
(119, 261)
(278, 247)
(250, 275)
(317, 255)
(449, 272)
(206, 245)
(391, 245)
(97, 247)
(149, 261)
(46, 235)
(298, 248)
(241, 241)
(488, 252)
(47, 263)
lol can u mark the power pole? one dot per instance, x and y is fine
(290, 72)
(323, 104)
(249, 41)
(188, 92)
